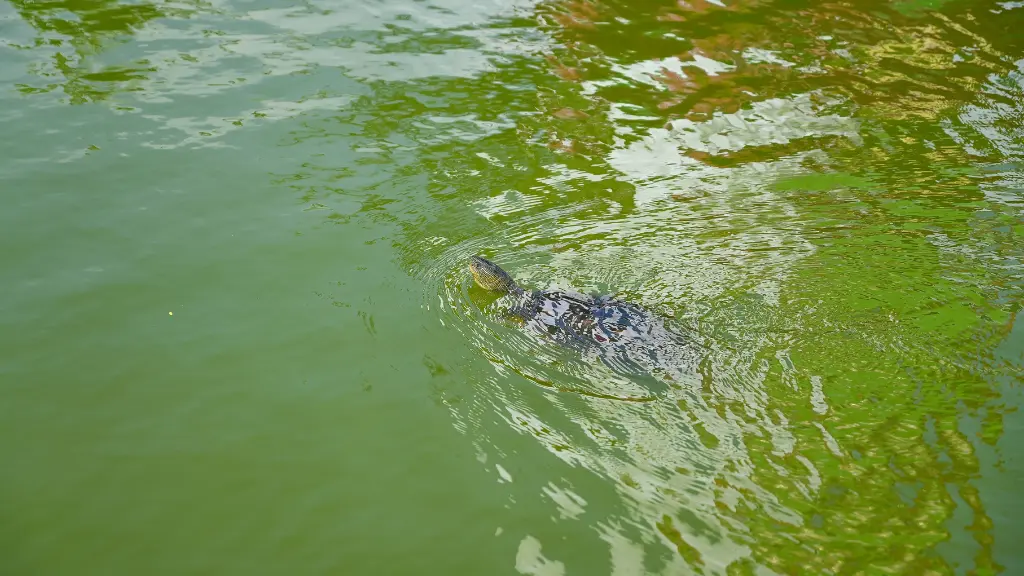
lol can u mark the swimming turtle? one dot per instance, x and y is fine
(625, 336)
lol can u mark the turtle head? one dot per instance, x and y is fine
(491, 277)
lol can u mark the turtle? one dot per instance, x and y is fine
(626, 337)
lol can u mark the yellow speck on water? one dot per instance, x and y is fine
(170, 313)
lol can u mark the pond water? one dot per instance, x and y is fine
(239, 335)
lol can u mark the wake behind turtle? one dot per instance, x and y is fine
(623, 335)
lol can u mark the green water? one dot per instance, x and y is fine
(237, 333)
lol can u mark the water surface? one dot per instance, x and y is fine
(239, 337)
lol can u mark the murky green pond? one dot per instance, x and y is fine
(238, 334)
